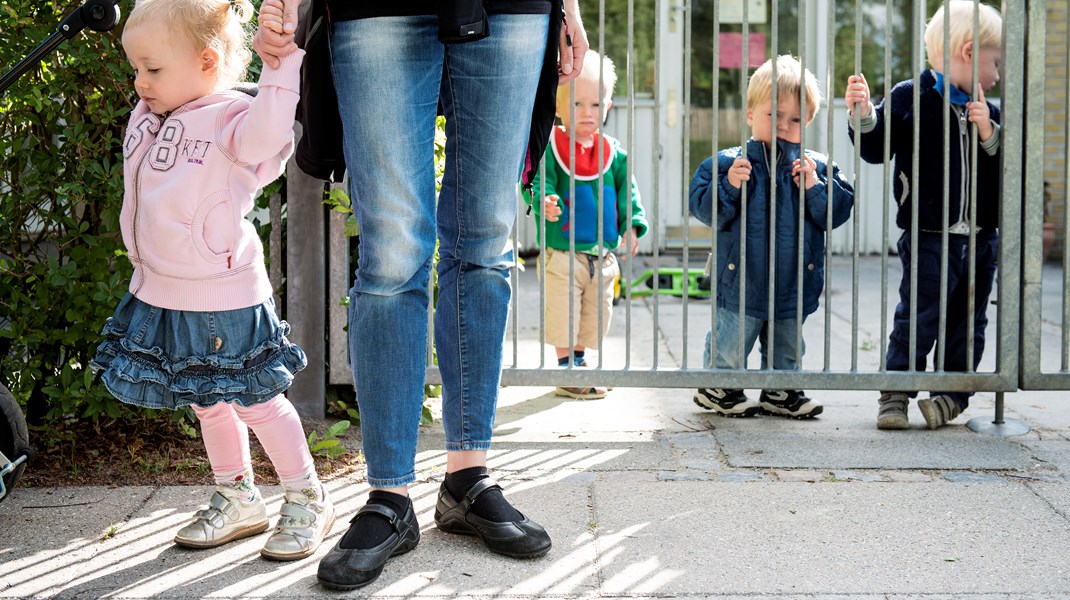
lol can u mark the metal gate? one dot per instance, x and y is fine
(849, 333)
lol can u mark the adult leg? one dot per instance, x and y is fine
(386, 74)
(488, 90)
(386, 71)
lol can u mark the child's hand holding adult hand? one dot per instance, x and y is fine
(739, 172)
(857, 93)
(275, 31)
(551, 209)
(807, 169)
(270, 15)
(980, 116)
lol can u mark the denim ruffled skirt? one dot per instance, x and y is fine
(160, 358)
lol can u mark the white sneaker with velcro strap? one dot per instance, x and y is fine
(302, 525)
(226, 519)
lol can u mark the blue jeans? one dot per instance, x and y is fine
(928, 327)
(727, 350)
(391, 74)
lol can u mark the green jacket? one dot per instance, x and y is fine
(617, 194)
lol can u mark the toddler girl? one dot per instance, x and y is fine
(198, 326)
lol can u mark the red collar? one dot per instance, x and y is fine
(586, 157)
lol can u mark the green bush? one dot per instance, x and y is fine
(62, 264)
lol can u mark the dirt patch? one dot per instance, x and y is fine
(155, 452)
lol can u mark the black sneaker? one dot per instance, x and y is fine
(727, 403)
(789, 403)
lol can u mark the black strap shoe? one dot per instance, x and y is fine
(350, 569)
(519, 539)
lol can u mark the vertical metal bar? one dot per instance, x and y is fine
(600, 238)
(711, 349)
(543, 249)
(1065, 358)
(856, 180)
(941, 334)
(686, 165)
(1022, 142)
(515, 284)
(971, 289)
(830, 78)
(743, 81)
(656, 204)
(856, 222)
(919, 20)
(572, 325)
(887, 187)
(626, 288)
(800, 248)
(771, 267)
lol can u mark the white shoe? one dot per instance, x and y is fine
(226, 519)
(301, 527)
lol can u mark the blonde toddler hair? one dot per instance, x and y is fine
(989, 33)
(760, 88)
(215, 24)
(590, 73)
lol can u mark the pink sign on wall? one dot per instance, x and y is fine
(731, 56)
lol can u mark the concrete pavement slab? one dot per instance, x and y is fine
(1057, 495)
(1052, 454)
(139, 560)
(828, 538)
(49, 536)
(862, 450)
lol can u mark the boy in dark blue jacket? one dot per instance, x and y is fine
(927, 192)
(716, 197)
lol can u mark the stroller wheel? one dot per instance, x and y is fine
(14, 439)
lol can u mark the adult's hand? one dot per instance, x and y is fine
(270, 44)
(572, 45)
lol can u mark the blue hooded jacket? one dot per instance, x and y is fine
(702, 206)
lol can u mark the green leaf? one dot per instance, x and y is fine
(322, 444)
(337, 429)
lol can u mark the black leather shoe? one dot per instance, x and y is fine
(353, 568)
(519, 539)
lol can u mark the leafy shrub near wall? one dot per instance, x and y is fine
(62, 265)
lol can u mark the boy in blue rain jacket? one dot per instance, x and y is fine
(722, 196)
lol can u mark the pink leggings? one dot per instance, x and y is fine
(225, 428)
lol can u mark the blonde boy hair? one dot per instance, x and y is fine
(760, 88)
(589, 72)
(215, 24)
(989, 33)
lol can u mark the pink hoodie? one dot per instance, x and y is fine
(191, 178)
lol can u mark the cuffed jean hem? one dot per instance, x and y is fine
(392, 483)
(467, 446)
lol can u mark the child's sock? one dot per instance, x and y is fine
(371, 530)
(240, 483)
(492, 505)
(306, 486)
